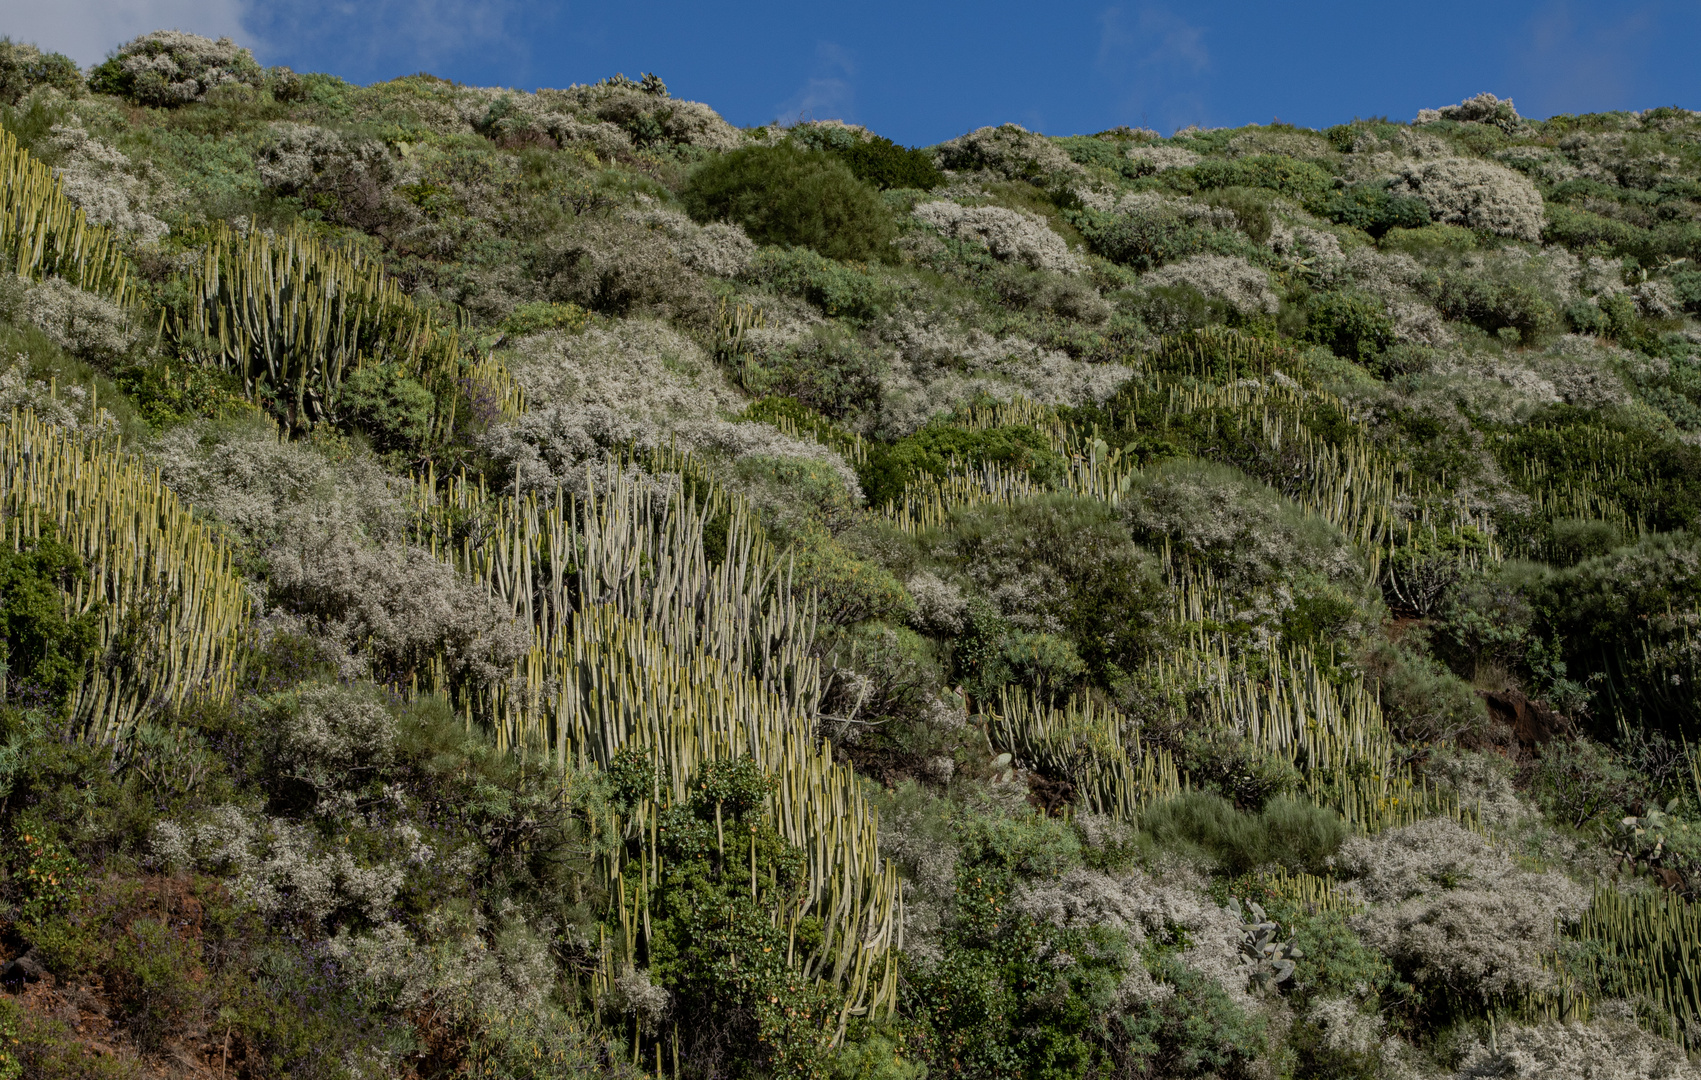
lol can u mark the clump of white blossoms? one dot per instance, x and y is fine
(1244, 287)
(1476, 194)
(1009, 235)
(170, 67)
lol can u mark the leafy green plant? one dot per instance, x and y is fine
(790, 197)
(1354, 326)
(48, 649)
(1375, 210)
(1288, 832)
(391, 409)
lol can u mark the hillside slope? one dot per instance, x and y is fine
(505, 584)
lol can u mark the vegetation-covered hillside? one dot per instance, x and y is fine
(530, 585)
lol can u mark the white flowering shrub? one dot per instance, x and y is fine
(82, 323)
(286, 869)
(1010, 151)
(1009, 235)
(259, 484)
(939, 365)
(1242, 528)
(634, 995)
(647, 113)
(334, 738)
(394, 603)
(719, 248)
(70, 407)
(635, 381)
(1475, 194)
(1164, 910)
(1485, 108)
(1451, 910)
(108, 186)
(940, 608)
(1244, 287)
(170, 67)
(1163, 158)
(1604, 1049)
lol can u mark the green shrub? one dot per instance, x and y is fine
(1579, 781)
(1250, 206)
(873, 159)
(541, 315)
(1301, 181)
(1422, 701)
(1491, 304)
(1235, 768)
(933, 450)
(1621, 621)
(829, 371)
(47, 651)
(845, 291)
(1687, 285)
(392, 410)
(1198, 1031)
(1373, 209)
(157, 978)
(1288, 832)
(1145, 242)
(793, 198)
(1429, 241)
(1065, 563)
(848, 589)
(1354, 326)
(167, 395)
(720, 945)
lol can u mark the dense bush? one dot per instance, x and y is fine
(1288, 832)
(785, 196)
(25, 67)
(1354, 326)
(48, 646)
(170, 68)
(1372, 208)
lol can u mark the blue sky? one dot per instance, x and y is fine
(920, 71)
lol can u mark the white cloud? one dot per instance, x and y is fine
(86, 30)
(1156, 59)
(385, 38)
(829, 94)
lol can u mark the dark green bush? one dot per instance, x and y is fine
(1288, 832)
(1354, 326)
(1579, 781)
(792, 198)
(1197, 1031)
(938, 447)
(1251, 208)
(719, 945)
(47, 650)
(1301, 181)
(390, 409)
(1372, 208)
(1142, 243)
(1492, 305)
(875, 160)
(1082, 574)
(1621, 621)
(1687, 285)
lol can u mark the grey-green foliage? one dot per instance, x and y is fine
(171, 68)
(24, 67)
